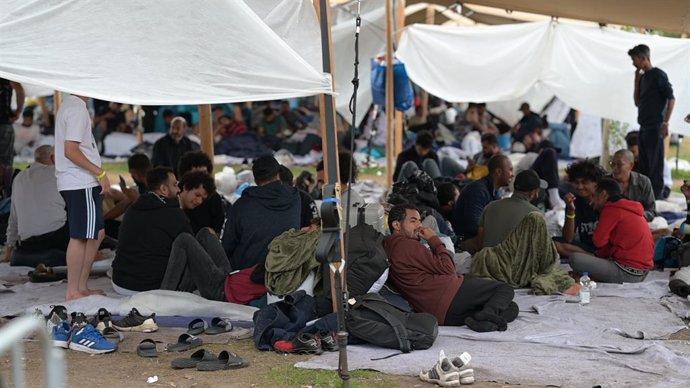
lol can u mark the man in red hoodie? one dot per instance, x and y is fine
(428, 278)
(625, 247)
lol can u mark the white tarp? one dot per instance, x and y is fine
(153, 53)
(372, 41)
(586, 67)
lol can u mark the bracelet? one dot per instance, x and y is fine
(101, 175)
(570, 216)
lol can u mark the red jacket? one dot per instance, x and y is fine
(623, 234)
(426, 278)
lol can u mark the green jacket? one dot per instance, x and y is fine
(291, 257)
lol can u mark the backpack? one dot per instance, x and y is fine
(670, 252)
(376, 321)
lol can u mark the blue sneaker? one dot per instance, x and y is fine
(61, 333)
(88, 339)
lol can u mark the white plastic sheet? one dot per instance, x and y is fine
(586, 67)
(157, 53)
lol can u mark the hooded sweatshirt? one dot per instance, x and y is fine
(261, 214)
(426, 278)
(623, 234)
(148, 230)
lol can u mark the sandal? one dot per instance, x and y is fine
(197, 326)
(226, 360)
(147, 348)
(218, 326)
(191, 362)
(43, 274)
(185, 342)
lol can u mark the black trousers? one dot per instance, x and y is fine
(546, 166)
(651, 160)
(478, 294)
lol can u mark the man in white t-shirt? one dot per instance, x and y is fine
(81, 181)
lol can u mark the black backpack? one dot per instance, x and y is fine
(376, 321)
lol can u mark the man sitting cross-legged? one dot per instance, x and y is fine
(428, 278)
(625, 247)
(151, 227)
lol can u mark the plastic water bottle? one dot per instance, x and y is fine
(585, 288)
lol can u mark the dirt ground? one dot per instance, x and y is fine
(266, 369)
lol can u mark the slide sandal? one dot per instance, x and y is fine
(226, 360)
(112, 335)
(147, 348)
(196, 327)
(185, 342)
(218, 326)
(193, 360)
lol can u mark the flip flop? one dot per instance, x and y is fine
(218, 326)
(147, 348)
(196, 327)
(191, 362)
(240, 333)
(226, 360)
(185, 342)
(112, 335)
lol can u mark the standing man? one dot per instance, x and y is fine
(7, 117)
(81, 182)
(655, 101)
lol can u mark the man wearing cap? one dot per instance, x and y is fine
(262, 213)
(517, 248)
(501, 217)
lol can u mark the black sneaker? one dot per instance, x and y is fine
(102, 320)
(302, 344)
(329, 341)
(79, 319)
(58, 314)
(134, 321)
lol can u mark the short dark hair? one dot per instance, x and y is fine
(168, 112)
(398, 213)
(631, 139)
(192, 159)
(286, 175)
(490, 138)
(496, 162)
(265, 168)
(641, 50)
(155, 177)
(585, 169)
(194, 179)
(446, 192)
(424, 139)
(268, 111)
(610, 186)
(139, 162)
(28, 112)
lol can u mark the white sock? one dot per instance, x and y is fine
(555, 199)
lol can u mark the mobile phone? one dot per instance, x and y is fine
(122, 181)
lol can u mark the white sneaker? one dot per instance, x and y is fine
(466, 376)
(442, 373)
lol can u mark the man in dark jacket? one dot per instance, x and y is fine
(211, 212)
(262, 213)
(168, 150)
(625, 247)
(427, 278)
(148, 230)
(419, 157)
(310, 214)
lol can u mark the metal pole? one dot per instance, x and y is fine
(390, 143)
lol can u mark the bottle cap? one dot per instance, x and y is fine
(585, 274)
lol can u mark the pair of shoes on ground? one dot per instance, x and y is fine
(449, 372)
(134, 321)
(76, 333)
(218, 326)
(486, 321)
(204, 360)
(305, 343)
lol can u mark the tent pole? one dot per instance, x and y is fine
(140, 123)
(57, 101)
(44, 110)
(331, 246)
(429, 19)
(399, 117)
(206, 130)
(390, 145)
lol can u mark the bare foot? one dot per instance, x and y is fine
(95, 291)
(574, 290)
(100, 256)
(74, 296)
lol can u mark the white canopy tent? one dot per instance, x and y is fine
(170, 53)
(587, 67)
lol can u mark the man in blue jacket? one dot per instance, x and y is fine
(473, 198)
(262, 213)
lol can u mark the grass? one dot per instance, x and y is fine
(287, 375)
